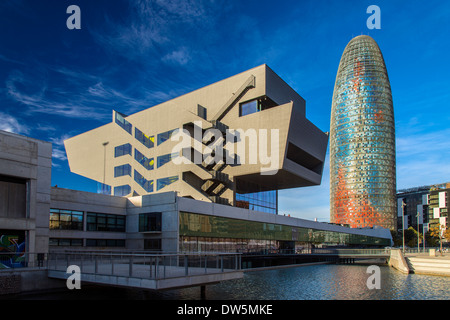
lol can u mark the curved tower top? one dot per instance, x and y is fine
(362, 140)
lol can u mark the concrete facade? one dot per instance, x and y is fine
(209, 120)
(170, 206)
(25, 180)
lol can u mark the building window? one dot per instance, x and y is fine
(123, 170)
(122, 122)
(143, 138)
(105, 243)
(161, 183)
(122, 191)
(166, 135)
(105, 222)
(248, 108)
(122, 150)
(260, 104)
(13, 197)
(103, 188)
(66, 220)
(162, 160)
(149, 222)
(255, 197)
(65, 242)
(147, 185)
(144, 161)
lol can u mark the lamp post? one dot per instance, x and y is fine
(418, 233)
(423, 233)
(403, 224)
(104, 165)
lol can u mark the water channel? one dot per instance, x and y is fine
(315, 282)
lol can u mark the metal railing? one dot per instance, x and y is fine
(144, 265)
(16, 260)
(355, 252)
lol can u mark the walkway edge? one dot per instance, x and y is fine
(398, 262)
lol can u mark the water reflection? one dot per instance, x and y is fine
(320, 282)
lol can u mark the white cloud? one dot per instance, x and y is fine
(11, 124)
(180, 56)
(422, 158)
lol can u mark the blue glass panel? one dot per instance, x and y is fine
(122, 190)
(147, 163)
(161, 183)
(122, 170)
(103, 188)
(249, 108)
(147, 185)
(122, 122)
(122, 150)
(166, 135)
(162, 160)
(147, 141)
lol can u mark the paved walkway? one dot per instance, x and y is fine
(445, 256)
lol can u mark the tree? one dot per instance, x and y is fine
(440, 233)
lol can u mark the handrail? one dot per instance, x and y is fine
(144, 265)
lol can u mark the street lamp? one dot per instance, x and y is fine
(418, 233)
(104, 164)
(403, 224)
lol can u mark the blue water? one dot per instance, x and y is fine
(319, 282)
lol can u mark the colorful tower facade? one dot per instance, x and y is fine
(362, 140)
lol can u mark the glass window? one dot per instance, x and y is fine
(248, 108)
(162, 160)
(144, 161)
(105, 243)
(123, 170)
(143, 138)
(103, 188)
(150, 221)
(166, 135)
(122, 122)
(66, 219)
(161, 183)
(65, 242)
(122, 150)
(122, 191)
(105, 222)
(147, 185)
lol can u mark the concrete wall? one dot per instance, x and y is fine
(166, 203)
(175, 113)
(87, 202)
(31, 160)
(397, 261)
(28, 280)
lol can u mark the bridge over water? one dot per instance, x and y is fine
(174, 270)
(147, 271)
(331, 255)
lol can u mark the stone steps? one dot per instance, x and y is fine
(428, 266)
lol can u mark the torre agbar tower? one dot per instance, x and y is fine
(362, 140)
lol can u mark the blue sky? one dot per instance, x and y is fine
(131, 55)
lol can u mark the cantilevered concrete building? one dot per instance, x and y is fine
(362, 140)
(234, 142)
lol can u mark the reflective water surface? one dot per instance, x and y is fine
(319, 282)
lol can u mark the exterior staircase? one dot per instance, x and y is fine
(424, 265)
